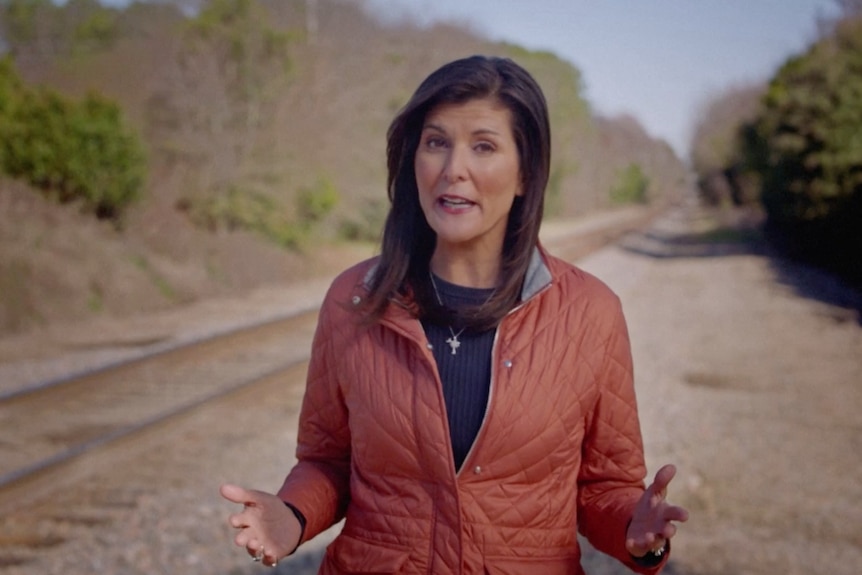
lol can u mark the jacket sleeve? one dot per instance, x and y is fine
(318, 485)
(611, 478)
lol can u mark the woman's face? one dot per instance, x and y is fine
(468, 174)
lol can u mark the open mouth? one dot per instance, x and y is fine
(454, 203)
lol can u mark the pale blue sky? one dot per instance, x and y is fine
(658, 60)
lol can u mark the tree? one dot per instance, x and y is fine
(36, 32)
(716, 148)
(216, 93)
(806, 147)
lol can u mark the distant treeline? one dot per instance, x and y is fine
(249, 110)
(794, 147)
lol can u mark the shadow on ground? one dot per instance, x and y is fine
(692, 231)
(842, 302)
(699, 233)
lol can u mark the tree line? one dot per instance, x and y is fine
(794, 148)
(234, 97)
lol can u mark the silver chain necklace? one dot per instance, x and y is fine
(453, 342)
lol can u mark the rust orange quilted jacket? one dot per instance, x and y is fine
(559, 450)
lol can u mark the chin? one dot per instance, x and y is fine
(454, 237)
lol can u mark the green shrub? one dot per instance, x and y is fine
(368, 226)
(560, 170)
(236, 209)
(11, 96)
(631, 186)
(71, 151)
(315, 202)
(805, 147)
(97, 31)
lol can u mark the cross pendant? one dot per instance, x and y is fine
(454, 344)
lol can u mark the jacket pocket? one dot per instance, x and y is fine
(351, 555)
(568, 565)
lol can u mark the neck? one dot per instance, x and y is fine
(466, 271)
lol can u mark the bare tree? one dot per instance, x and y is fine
(715, 148)
(311, 21)
(850, 7)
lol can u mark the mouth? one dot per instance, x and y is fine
(454, 202)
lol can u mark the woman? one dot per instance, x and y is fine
(469, 403)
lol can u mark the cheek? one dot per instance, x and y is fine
(505, 184)
(424, 184)
(424, 171)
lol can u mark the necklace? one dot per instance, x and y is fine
(453, 342)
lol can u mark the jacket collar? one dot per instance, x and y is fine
(538, 275)
(537, 278)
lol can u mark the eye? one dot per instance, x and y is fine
(435, 142)
(484, 147)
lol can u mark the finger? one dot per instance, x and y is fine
(255, 548)
(270, 559)
(236, 494)
(644, 542)
(236, 520)
(675, 513)
(663, 478)
(668, 531)
(648, 542)
(242, 539)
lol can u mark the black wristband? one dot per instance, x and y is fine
(302, 521)
(652, 557)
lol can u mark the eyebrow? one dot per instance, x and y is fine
(479, 132)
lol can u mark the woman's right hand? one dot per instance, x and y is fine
(268, 529)
(652, 523)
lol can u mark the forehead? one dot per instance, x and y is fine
(477, 111)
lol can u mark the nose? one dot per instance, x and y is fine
(455, 169)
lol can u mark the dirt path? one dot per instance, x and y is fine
(755, 392)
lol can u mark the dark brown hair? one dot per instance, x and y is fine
(408, 241)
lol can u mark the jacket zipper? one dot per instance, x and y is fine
(487, 404)
(493, 380)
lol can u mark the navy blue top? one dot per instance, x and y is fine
(466, 374)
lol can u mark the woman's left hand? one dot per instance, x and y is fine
(267, 528)
(652, 522)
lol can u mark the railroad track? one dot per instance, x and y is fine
(48, 427)
(51, 428)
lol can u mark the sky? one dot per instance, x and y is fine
(657, 60)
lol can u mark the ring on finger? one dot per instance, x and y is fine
(258, 557)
